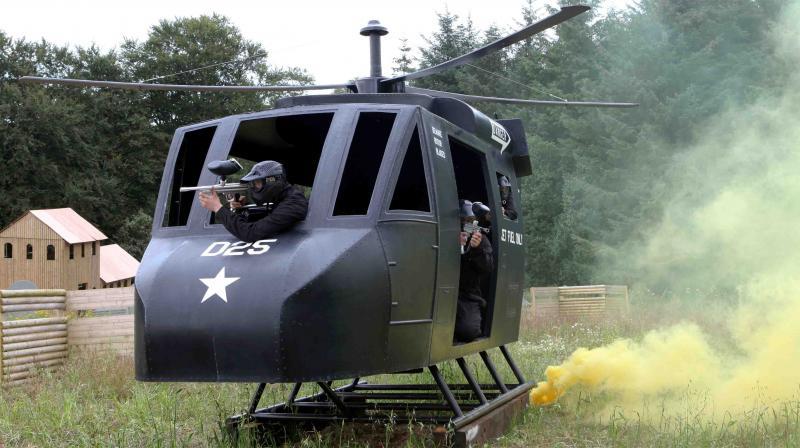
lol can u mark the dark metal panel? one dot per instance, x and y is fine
(409, 345)
(434, 142)
(518, 148)
(363, 98)
(308, 297)
(336, 325)
(410, 249)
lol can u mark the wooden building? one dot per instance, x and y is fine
(53, 248)
(117, 267)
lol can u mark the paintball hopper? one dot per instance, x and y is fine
(224, 168)
(480, 210)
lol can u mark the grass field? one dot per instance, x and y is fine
(97, 403)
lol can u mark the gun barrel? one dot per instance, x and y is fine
(219, 188)
(472, 228)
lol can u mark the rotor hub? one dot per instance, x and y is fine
(374, 27)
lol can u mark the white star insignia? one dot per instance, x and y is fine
(216, 285)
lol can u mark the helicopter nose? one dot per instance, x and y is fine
(224, 310)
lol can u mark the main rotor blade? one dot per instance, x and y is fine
(198, 88)
(494, 99)
(566, 13)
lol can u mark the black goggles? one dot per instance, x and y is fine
(267, 180)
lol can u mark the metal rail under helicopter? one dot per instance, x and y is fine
(368, 283)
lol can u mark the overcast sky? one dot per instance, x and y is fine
(320, 36)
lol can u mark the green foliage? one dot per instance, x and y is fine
(134, 233)
(602, 176)
(405, 62)
(174, 51)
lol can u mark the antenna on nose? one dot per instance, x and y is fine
(374, 30)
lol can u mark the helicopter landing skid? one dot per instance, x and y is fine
(462, 414)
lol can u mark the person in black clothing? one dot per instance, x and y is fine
(506, 198)
(476, 263)
(268, 186)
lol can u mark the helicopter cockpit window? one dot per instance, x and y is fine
(363, 161)
(411, 191)
(186, 173)
(296, 141)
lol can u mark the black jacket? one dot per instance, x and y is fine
(476, 264)
(291, 208)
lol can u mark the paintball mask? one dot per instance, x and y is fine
(272, 177)
(471, 213)
(505, 190)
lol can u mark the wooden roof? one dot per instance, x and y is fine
(116, 264)
(67, 224)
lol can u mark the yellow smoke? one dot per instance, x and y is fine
(748, 233)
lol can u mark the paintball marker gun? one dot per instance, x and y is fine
(223, 169)
(481, 213)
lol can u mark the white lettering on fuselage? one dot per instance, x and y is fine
(437, 143)
(500, 135)
(508, 236)
(227, 249)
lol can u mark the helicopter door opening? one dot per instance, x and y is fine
(471, 176)
(296, 141)
(186, 173)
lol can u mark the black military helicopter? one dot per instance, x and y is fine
(368, 283)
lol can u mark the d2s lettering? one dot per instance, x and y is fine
(227, 249)
(511, 237)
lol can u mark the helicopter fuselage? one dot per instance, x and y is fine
(368, 283)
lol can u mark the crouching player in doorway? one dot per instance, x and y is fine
(476, 263)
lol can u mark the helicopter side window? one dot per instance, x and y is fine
(363, 161)
(186, 173)
(411, 191)
(507, 202)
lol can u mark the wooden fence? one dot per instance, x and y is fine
(40, 327)
(34, 332)
(576, 302)
(103, 320)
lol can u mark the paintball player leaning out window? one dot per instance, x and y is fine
(476, 263)
(506, 198)
(267, 188)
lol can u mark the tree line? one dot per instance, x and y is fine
(601, 176)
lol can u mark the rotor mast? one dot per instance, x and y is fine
(371, 84)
